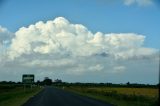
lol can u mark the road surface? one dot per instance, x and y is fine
(51, 96)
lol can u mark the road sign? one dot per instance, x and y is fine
(28, 78)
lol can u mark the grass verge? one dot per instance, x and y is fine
(17, 96)
(115, 98)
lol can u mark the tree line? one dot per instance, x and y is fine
(58, 82)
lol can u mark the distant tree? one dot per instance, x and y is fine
(38, 82)
(47, 81)
(3, 82)
(128, 83)
(19, 82)
(11, 82)
(58, 81)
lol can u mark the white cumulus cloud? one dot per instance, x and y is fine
(97, 67)
(5, 40)
(61, 37)
(139, 2)
(119, 69)
(62, 48)
(5, 36)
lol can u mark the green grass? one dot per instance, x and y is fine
(16, 96)
(117, 97)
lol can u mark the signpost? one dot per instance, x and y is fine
(27, 79)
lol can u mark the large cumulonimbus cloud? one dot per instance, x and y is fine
(71, 49)
(63, 38)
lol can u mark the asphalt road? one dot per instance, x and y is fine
(51, 96)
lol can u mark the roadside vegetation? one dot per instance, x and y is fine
(119, 95)
(15, 94)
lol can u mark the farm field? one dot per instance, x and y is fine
(13, 95)
(120, 96)
(148, 92)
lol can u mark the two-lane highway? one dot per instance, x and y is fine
(51, 96)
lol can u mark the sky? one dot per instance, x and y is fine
(80, 41)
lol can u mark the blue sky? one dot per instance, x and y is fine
(80, 40)
(97, 15)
